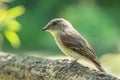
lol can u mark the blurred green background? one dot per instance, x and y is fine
(97, 20)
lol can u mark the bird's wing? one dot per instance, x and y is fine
(78, 44)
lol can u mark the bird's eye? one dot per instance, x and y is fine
(54, 23)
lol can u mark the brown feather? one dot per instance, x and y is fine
(77, 43)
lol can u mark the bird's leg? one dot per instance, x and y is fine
(71, 64)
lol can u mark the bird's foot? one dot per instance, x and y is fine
(71, 64)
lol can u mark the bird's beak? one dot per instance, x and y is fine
(44, 29)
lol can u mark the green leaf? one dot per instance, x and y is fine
(13, 38)
(16, 11)
(13, 25)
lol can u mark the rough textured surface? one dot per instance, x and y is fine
(34, 68)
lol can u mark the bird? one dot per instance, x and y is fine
(71, 42)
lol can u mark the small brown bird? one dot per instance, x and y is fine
(71, 42)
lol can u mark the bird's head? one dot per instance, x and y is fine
(56, 25)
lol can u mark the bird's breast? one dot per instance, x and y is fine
(66, 50)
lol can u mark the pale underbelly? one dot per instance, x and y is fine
(69, 52)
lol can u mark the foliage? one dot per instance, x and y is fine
(96, 20)
(9, 25)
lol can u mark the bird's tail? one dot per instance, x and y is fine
(98, 66)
